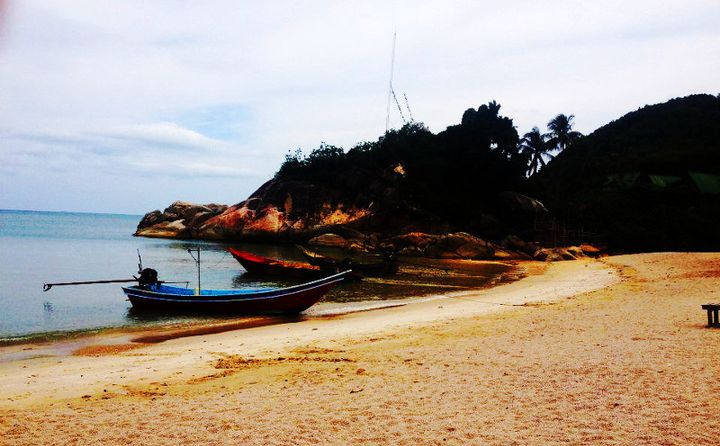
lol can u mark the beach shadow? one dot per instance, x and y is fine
(205, 324)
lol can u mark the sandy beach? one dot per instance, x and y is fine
(610, 351)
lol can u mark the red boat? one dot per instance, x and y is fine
(265, 266)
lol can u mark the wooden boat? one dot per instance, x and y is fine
(153, 294)
(265, 266)
(386, 267)
(287, 300)
(315, 258)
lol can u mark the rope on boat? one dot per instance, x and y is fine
(219, 261)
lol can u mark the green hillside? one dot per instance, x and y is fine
(647, 181)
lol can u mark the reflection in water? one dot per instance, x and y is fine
(245, 280)
(415, 278)
(48, 313)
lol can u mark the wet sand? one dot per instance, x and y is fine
(589, 352)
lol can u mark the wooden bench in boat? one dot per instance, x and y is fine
(712, 313)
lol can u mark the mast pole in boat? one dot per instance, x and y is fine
(197, 261)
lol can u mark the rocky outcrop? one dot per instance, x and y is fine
(329, 240)
(590, 250)
(254, 219)
(519, 247)
(179, 220)
(521, 204)
(332, 227)
(302, 212)
(294, 211)
(458, 245)
(461, 245)
(557, 254)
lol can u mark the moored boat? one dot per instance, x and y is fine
(289, 300)
(265, 266)
(154, 294)
(385, 267)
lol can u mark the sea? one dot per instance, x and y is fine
(38, 247)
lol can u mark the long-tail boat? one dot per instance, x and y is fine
(287, 300)
(151, 293)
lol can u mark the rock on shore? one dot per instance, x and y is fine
(278, 210)
(251, 220)
(179, 220)
(300, 212)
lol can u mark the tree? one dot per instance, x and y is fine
(292, 164)
(536, 146)
(561, 132)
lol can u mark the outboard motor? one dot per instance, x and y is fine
(148, 278)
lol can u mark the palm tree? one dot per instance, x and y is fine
(561, 132)
(536, 146)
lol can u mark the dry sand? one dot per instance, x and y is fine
(589, 352)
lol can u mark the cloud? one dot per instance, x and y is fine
(184, 169)
(201, 90)
(162, 135)
(158, 149)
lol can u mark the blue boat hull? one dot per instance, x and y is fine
(288, 300)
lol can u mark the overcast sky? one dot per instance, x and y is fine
(127, 106)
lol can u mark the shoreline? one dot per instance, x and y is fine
(171, 329)
(611, 351)
(98, 353)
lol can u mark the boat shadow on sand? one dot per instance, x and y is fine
(164, 327)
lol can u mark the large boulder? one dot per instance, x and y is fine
(179, 220)
(515, 243)
(416, 241)
(166, 229)
(150, 219)
(558, 254)
(329, 240)
(590, 250)
(458, 245)
(521, 204)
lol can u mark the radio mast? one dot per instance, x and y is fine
(390, 87)
(391, 94)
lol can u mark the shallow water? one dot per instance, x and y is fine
(39, 247)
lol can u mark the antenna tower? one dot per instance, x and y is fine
(407, 104)
(391, 93)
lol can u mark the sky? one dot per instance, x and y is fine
(127, 106)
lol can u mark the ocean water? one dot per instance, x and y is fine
(45, 247)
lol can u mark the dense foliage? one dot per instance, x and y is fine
(647, 181)
(632, 180)
(455, 174)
